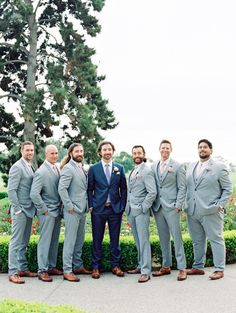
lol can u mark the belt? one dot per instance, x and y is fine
(108, 204)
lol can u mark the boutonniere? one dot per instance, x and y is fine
(208, 169)
(171, 169)
(116, 170)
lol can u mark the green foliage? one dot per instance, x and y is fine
(16, 306)
(46, 67)
(125, 159)
(3, 195)
(129, 252)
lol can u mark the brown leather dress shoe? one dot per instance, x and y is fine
(16, 279)
(95, 273)
(82, 271)
(71, 277)
(195, 271)
(117, 271)
(143, 278)
(27, 274)
(162, 271)
(54, 271)
(134, 271)
(182, 275)
(44, 277)
(216, 275)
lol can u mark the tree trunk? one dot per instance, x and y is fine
(29, 125)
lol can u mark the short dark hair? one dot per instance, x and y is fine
(103, 143)
(25, 143)
(205, 141)
(165, 141)
(144, 152)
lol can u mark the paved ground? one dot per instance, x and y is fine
(111, 294)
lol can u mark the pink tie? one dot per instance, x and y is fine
(162, 167)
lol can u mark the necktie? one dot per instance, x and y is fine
(199, 169)
(55, 170)
(107, 173)
(162, 167)
(30, 169)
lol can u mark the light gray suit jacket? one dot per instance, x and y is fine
(210, 190)
(44, 191)
(73, 188)
(19, 184)
(171, 186)
(141, 191)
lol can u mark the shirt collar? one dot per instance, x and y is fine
(26, 162)
(104, 164)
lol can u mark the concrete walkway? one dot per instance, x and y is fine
(111, 294)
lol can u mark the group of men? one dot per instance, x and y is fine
(163, 190)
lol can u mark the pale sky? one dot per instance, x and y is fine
(170, 71)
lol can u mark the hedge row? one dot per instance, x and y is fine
(16, 306)
(129, 252)
(3, 195)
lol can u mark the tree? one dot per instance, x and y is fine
(125, 159)
(46, 68)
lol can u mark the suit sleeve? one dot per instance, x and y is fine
(91, 182)
(64, 184)
(181, 187)
(13, 184)
(123, 188)
(150, 185)
(35, 194)
(226, 187)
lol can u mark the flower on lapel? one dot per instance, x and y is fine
(116, 170)
(208, 168)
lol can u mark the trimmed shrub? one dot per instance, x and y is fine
(3, 195)
(129, 252)
(16, 306)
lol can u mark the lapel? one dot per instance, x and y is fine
(79, 172)
(26, 167)
(205, 171)
(132, 180)
(103, 176)
(55, 178)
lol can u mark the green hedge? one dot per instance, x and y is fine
(16, 306)
(3, 195)
(129, 253)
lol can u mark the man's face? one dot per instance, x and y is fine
(138, 155)
(165, 151)
(52, 155)
(77, 154)
(204, 151)
(106, 152)
(27, 152)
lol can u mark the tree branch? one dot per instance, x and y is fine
(13, 47)
(48, 33)
(14, 61)
(11, 95)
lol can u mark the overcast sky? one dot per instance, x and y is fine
(170, 73)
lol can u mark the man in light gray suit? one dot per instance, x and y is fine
(22, 213)
(141, 194)
(208, 191)
(45, 196)
(73, 191)
(171, 187)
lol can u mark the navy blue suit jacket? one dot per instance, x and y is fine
(98, 188)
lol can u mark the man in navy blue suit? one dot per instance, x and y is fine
(107, 195)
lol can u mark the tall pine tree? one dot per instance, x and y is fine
(46, 68)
